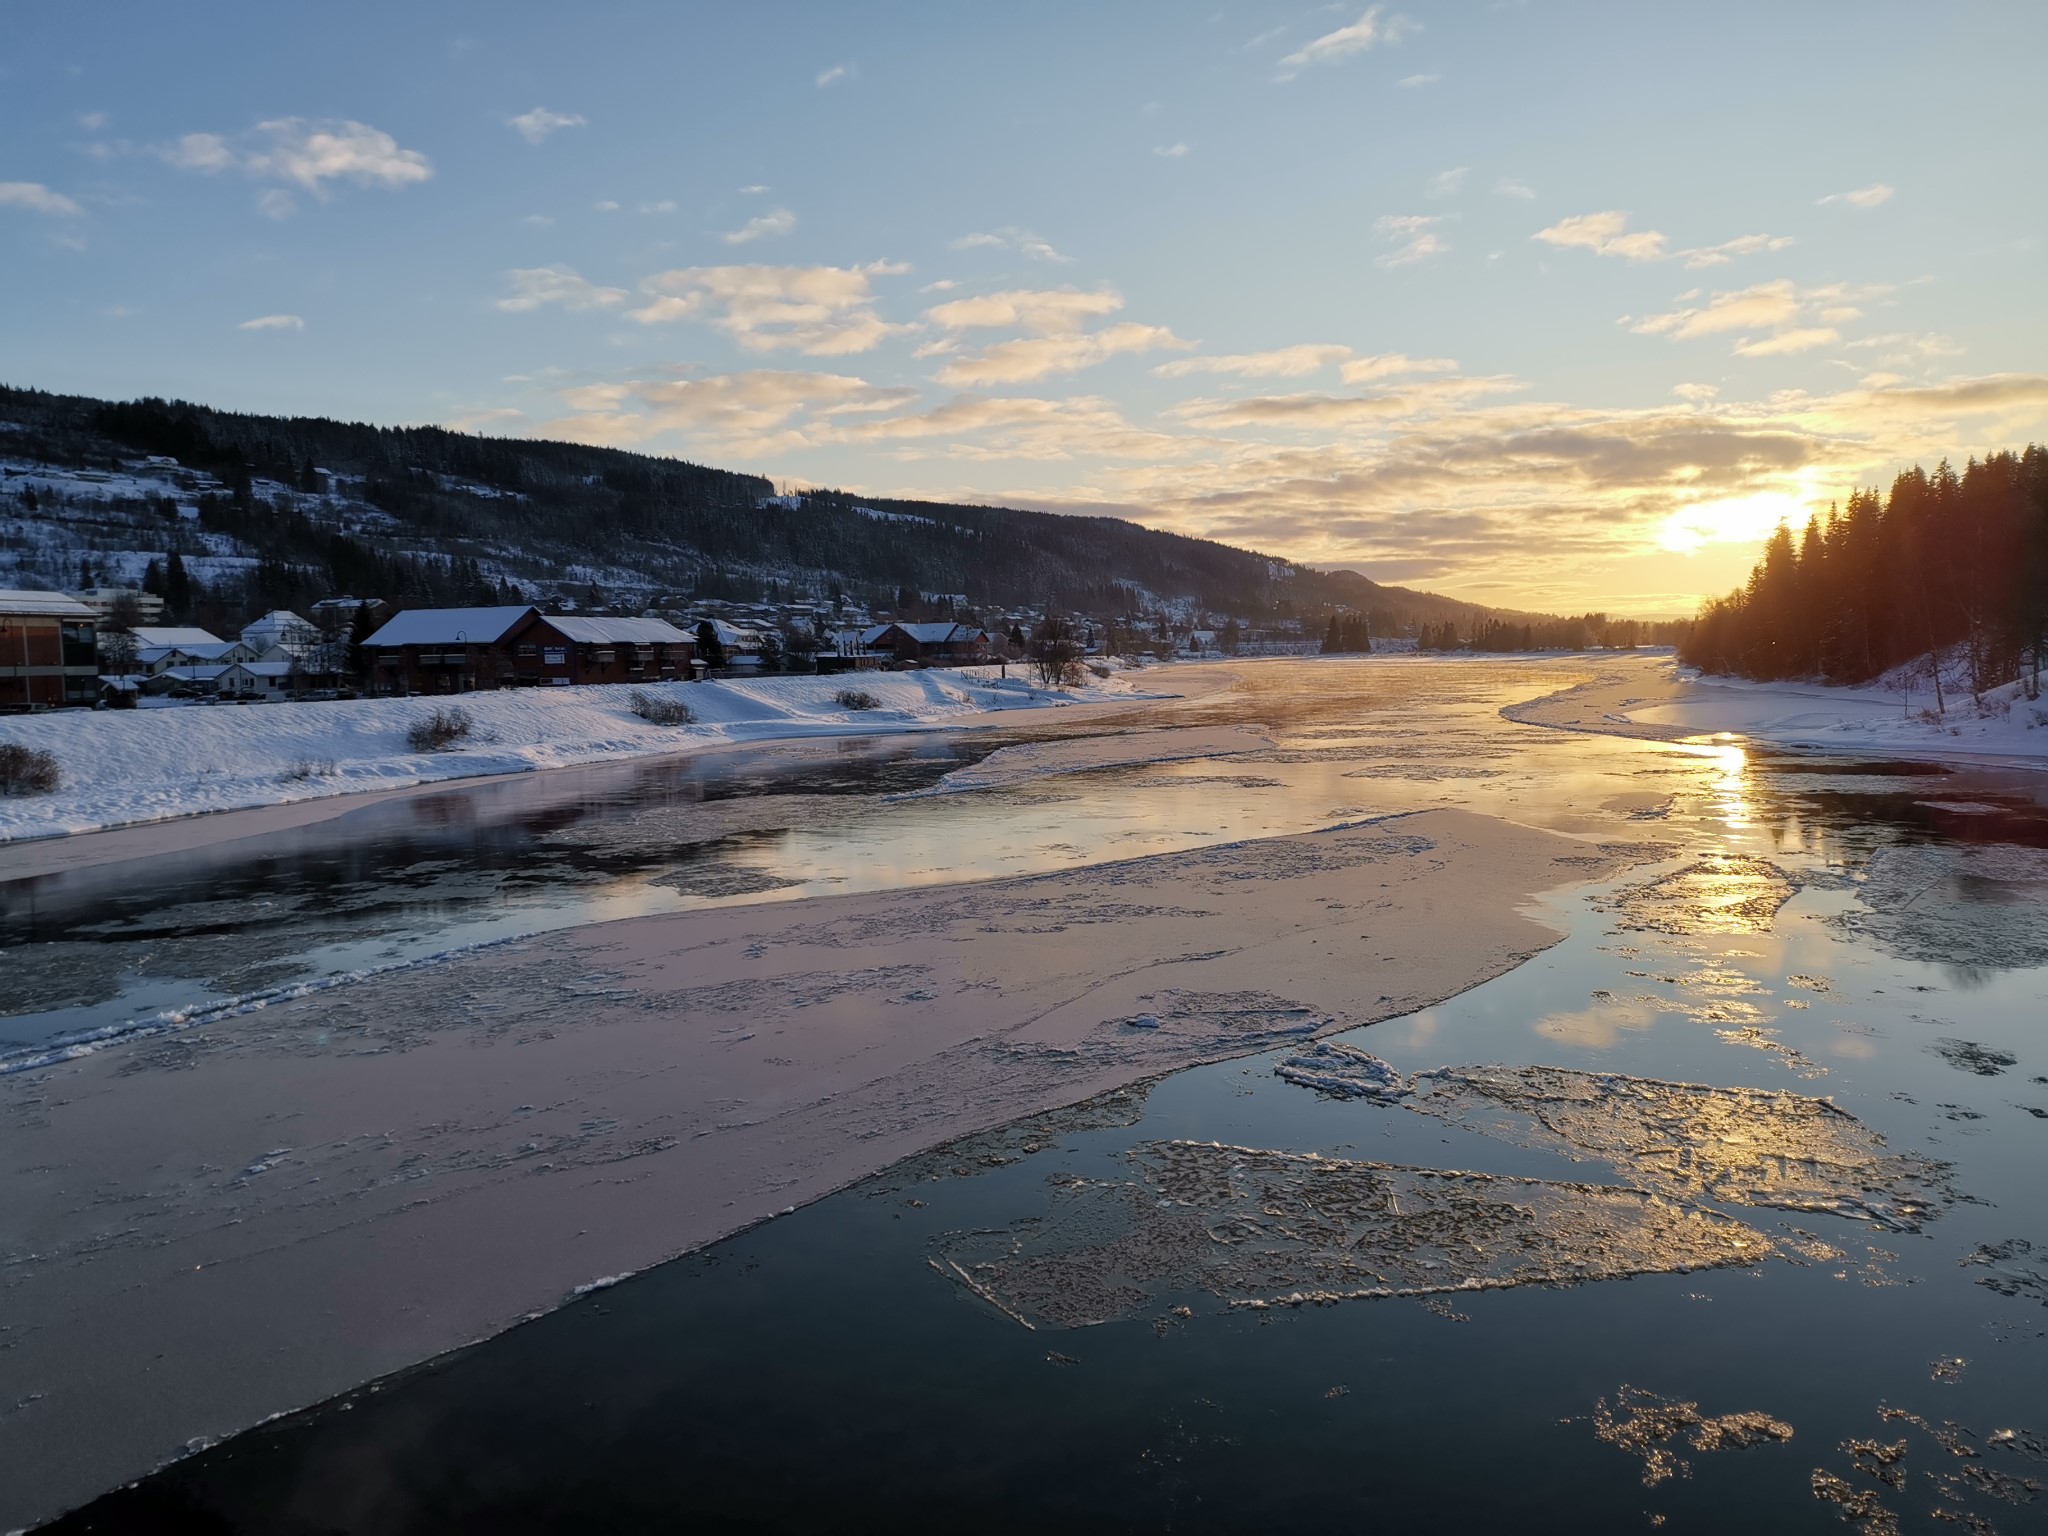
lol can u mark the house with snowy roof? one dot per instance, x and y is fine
(929, 645)
(457, 650)
(281, 627)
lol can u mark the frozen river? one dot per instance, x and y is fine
(1725, 1209)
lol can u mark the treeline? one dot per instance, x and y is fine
(1585, 632)
(1943, 561)
(1348, 634)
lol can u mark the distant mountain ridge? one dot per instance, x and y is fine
(308, 503)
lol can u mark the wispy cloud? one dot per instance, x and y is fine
(1414, 236)
(37, 198)
(93, 122)
(1449, 183)
(760, 411)
(836, 73)
(537, 125)
(778, 222)
(1011, 238)
(535, 287)
(818, 311)
(1863, 197)
(1605, 234)
(1042, 311)
(1171, 151)
(1785, 343)
(1368, 32)
(1280, 363)
(273, 323)
(1415, 82)
(1388, 365)
(1507, 186)
(1037, 357)
(302, 153)
(1743, 245)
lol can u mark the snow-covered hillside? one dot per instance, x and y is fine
(125, 766)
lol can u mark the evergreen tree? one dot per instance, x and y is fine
(177, 588)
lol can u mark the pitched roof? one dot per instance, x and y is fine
(178, 639)
(923, 634)
(448, 626)
(47, 605)
(588, 631)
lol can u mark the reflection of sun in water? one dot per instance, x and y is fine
(1740, 520)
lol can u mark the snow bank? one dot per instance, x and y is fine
(1881, 719)
(121, 767)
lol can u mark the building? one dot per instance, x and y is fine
(49, 653)
(562, 650)
(104, 600)
(457, 650)
(282, 628)
(444, 650)
(742, 647)
(929, 645)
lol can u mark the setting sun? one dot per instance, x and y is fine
(1741, 520)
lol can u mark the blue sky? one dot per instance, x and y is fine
(1543, 304)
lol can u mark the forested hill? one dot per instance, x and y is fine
(309, 506)
(1944, 561)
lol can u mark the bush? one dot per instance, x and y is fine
(857, 698)
(27, 770)
(1098, 668)
(307, 768)
(656, 710)
(440, 730)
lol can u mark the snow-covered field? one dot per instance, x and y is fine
(1885, 718)
(121, 767)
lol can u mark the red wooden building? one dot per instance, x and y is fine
(49, 652)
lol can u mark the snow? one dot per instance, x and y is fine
(1884, 718)
(449, 626)
(121, 767)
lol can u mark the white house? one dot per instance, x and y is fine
(281, 627)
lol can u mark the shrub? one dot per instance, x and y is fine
(1098, 668)
(307, 768)
(27, 770)
(857, 698)
(656, 710)
(440, 730)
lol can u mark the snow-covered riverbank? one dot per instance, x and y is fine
(124, 767)
(1664, 701)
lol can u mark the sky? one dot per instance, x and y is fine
(1544, 305)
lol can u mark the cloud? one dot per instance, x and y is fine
(533, 287)
(1388, 365)
(273, 323)
(757, 189)
(1170, 151)
(276, 203)
(537, 125)
(778, 222)
(1369, 31)
(93, 122)
(1281, 363)
(1605, 234)
(1011, 238)
(37, 198)
(754, 413)
(1508, 187)
(303, 153)
(605, 205)
(980, 428)
(1043, 311)
(1449, 183)
(1863, 197)
(818, 311)
(661, 205)
(1698, 394)
(1420, 399)
(1785, 343)
(1743, 245)
(837, 72)
(539, 221)
(1417, 236)
(1018, 362)
(1413, 82)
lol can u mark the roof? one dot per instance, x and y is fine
(45, 605)
(615, 631)
(448, 626)
(279, 621)
(265, 668)
(179, 639)
(731, 634)
(923, 634)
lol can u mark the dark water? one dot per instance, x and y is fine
(883, 1360)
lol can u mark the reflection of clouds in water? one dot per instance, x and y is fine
(1600, 1025)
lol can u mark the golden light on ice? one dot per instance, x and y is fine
(1740, 520)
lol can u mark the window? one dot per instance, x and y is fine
(528, 652)
(555, 656)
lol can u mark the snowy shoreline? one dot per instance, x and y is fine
(125, 768)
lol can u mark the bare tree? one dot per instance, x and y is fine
(1056, 654)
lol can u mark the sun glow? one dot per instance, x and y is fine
(1742, 520)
